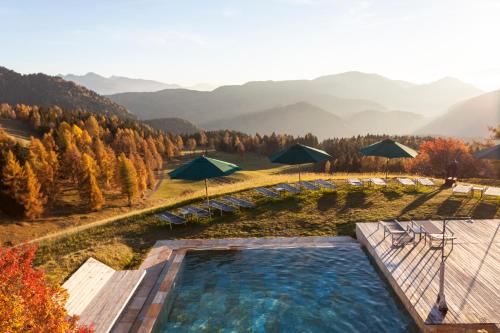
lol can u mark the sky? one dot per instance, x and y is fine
(232, 42)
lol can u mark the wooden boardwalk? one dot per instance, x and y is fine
(98, 293)
(472, 278)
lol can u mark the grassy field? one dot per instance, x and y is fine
(124, 243)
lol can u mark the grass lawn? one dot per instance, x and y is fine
(123, 244)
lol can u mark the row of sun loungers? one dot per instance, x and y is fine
(465, 189)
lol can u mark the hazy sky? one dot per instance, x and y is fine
(224, 42)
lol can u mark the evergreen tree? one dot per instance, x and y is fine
(127, 178)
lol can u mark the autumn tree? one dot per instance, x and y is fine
(32, 198)
(239, 147)
(45, 164)
(71, 159)
(328, 167)
(106, 160)
(145, 176)
(12, 175)
(179, 143)
(27, 302)
(127, 176)
(191, 144)
(87, 183)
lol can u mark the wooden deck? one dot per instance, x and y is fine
(98, 293)
(472, 278)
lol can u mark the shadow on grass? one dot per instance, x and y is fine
(391, 194)
(355, 199)
(485, 210)
(449, 207)
(422, 199)
(327, 201)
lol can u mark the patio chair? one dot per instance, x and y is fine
(462, 189)
(354, 182)
(238, 202)
(378, 181)
(194, 211)
(172, 219)
(406, 181)
(326, 184)
(400, 235)
(425, 182)
(433, 233)
(492, 192)
(287, 188)
(308, 185)
(267, 192)
(222, 207)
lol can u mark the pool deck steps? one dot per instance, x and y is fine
(98, 294)
(472, 276)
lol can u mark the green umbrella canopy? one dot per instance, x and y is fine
(492, 153)
(203, 168)
(388, 148)
(299, 154)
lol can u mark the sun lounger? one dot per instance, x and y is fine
(220, 206)
(326, 184)
(433, 233)
(425, 182)
(406, 182)
(492, 192)
(308, 186)
(462, 189)
(354, 182)
(287, 187)
(195, 211)
(171, 218)
(267, 192)
(238, 202)
(399, 234)
(378, 181)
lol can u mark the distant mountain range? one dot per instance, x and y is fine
(173, 125)
(44, 90)
(468, 119)
(119, 84)
(340, 94)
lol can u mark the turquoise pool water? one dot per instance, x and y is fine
(282, 290)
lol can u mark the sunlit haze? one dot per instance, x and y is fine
(231, 42)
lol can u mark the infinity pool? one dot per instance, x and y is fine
(282, 290)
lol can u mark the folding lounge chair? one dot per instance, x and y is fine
(406, 182)
(308, 185)
(172, 218)
(462, 189)
(220, 206)
(378, 181)
(287, 187)
(399, 234)
(267, 192)
(238, 202)
(435, 234)
(492, 192)
(425, 182)
(354, 182)
(195, 211)
(326, 184)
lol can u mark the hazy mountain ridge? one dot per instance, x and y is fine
(468, 119)
(341, 94)
(173, 125)
(46, 91)
(116, 84)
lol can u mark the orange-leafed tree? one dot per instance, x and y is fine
(87, 183)
(32, 197)
(27, 302)
(435, 156)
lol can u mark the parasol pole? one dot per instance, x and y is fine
(206, 193)
(386, 168)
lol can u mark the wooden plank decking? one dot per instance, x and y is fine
(472, 280)
(98, 293)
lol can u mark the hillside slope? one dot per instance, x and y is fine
(173, 125)
(116, 84)
(469, 119)
(46, 91)
(297, 119)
